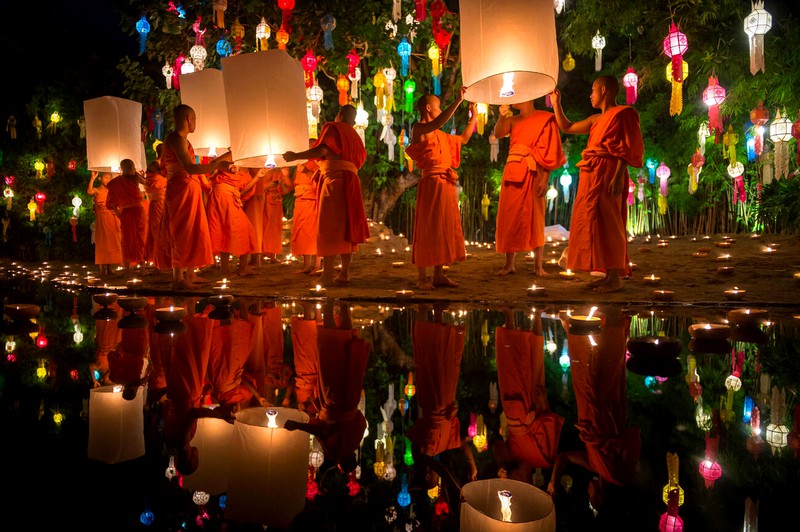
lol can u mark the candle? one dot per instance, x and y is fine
(724, 258)
(775, 245)
(747, 316)
(568, 274)
(755, 235)
(90, 281)
(797, 277)
(725, 270)
(769, 249)
(223, 281)
(22, 311)
(318, 290)
(404, 294)
(663, 243)
(735, 294)
(663, 295)
(170, 313)
(535, 290)
(633, 266)
(699, 254)
(222, 289)
(724, 244)
(105, 299)
(398, 264)
(221, 300)
(530, 257)
(589, 321)
(709, 331)
(652, 279)
(134, 283)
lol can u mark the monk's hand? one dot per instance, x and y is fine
(462, 93)
(555, 97)
(223, 165)
(505, 111)
(289, 156)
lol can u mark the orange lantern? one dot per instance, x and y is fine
(343, 85)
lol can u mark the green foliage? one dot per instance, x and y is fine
(780, 205)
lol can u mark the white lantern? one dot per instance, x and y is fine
(113, 133)
(756, 25)
(213, 439)
(527, 508)
(204, 92)
(266, 99)
(116, 426)
(269, 467)
(780, 133)
(198, 54)
(187, 68)
(598, 43)
(503, 61)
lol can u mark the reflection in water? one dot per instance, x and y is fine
(586, 413)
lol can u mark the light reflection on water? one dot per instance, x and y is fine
(476, 393)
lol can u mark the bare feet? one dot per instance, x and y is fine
(424, 285)
(444, 281)
(540, 272)
(506, 271)
(609, 286)
(246, 272)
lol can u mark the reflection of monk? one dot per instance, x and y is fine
(265, 364)
(343, 356)
(106, 338)
(306, 356)
(533, 430)
(128, 363)
(231, 386)
(598, 377)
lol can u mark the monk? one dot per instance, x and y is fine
(230, 229)
(126, 198)
(438, 237)
(129, 362)
(598, 239)
(106, 338)
(306, 358)
(304, 218)
(186, 214)
(107, 231)
(277, 185)
(342, 221)
(534, 151)
(255, 207)
(533, 430)
(265, 363)
(343, 357)
(155, 186)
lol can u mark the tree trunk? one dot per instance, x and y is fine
(379, 204)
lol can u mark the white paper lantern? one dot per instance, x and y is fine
(513, 38)
(481, 509)
(204, 91)
(213, 439)
(113, 133)
(116, 426)
(265, 96)
(268, 467)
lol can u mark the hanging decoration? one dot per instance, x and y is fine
(143, 28)
(283, 38)
(262, 34)
(713, 96)
(675, 45)
(328, 24)
(237, 32)
(420, 11)
(167, 71)
(759, 117)
(780, 133)
(286, 7)
(631, 83)
(354, 75)
(663, 172)
(187, 67)
(631, 190)
(409, 86)
(342, 85)
(729, 140)
(651, 165)
(568, 64)
(702, 136)
(391, 75)
(709, 468)
(494, 148)
(223, 47)
(750, 141)
(309, 64)
(40, 197)
(676, 99)
(796, 134)
(39, 167)
(672, 480)
(314, 96)
(565, 181)
(177, 71)
(777, 432)
(404, 51)
(387, 134)
(158, 124)
(397, 10)
(37, 126)
(11, 127)
(695, 168)
(641, 187)
(736, 171)
(598, 43)
(198, 52)
(32, 209)
(670, 521)
(734, 380)
(362, 121)
(220, 6)
(379, 82)
(756, 25)
(436, 72)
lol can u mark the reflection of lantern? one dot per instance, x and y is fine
(113, 133)
(409, 388)
(709, 468)
(482, 508)
(675, 45)
(780, 133)
(499, 51)
(598, 43)
(672, 483)
(756, 25)
(676, 99)
(713, 96)
(631, 83)
(116, 426)
(204, 92)
(213, 439)
(266, 102)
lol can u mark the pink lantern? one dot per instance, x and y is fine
(675, 45)
(709, 468)
(663, 172)
(309, 64)
(796, 133)
(670, 520)
(713, 96)
(631, 82)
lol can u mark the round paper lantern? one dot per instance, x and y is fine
(531, 509)
(204, 91)
(500, 42)
(213, 439)
(780, 130)
(116, 426)
(113, 133)
(265, 95)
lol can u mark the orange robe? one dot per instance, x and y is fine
(125, 197)
(438, 237)
(533, 430)
(190, 240)
(341, 220)
(597, 236)
(107, 232)
(304, 218)
(534, 150)
(106, 337)
(126, 362)
(273, 215)
(598, 378)
(265, 363)
(437, 358)
(306, 366)
(255, 208)
(228, 353)
(156, 187)
(228, 225)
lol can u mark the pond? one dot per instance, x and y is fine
(132, 411)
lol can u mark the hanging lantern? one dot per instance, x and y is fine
(283, 38)
(76, 205)
(198, 54)
(777, 432)
(355, 84)
(598, 43)
(676, 99)
(675, 45)
(729, 140)
(143, 28)
(314, 95)
(219, 12)
(631, 83)
(485, 202)
(409, 86)
(434, 56)
(702, 136)
(483, 114)
(237, 32)
(286, 7)
(40, 198)
(709, 468)
(663, 172)
(309, 64)
(756, 25)
(780, 133)
(409, 388)
(223, 47)
(8, 194)
(672, 483)
(328, 24)
(565, 181)
(695, 168)
(342, 85)
(404, 51)
(262, 34)
(713, 96)
(187, 67)
(502, 60)
(362, 121)
(379, 82)
(568, 64)
(670, 521)
(32, 210)
(55, 118)
(39, 167)
(167, 71)
(759, 117)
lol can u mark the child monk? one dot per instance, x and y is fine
(155, 186)
(107, 233)
(127, 199)
(230, 228)
(276, 185)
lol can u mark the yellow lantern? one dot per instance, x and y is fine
(676, 100)
(41, 370)
(282, 37)
(32, 209)
(39, 167)
(485, 207)
(569, 63)
(672, 483)
(433, 55)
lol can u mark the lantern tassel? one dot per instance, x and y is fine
(598, 59)
(437, 85)
(781, 159)
(677, 67)
(631, 95)
(676, 100)
(740, 192)
(714, 120)
(757, 54)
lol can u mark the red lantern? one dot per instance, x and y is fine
(631, 82)
(286, 12)
(72, 165)
(41, 339)
(713, 96)
(40, 197)
(796, 133)
(73, 221)
(671, 521)
(352, 63)
(421, 11)
(759, 117)
(353, 486)
(438, 10)
(309, 64)
(709, 468)
(675, 45)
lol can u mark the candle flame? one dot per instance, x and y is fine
(505, 504)
(171, 308)
(591, 313)
(318, 288)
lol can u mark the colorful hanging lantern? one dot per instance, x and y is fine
(485, 202)
(759, 117)
(379, 82)
(651, 165)
(237, 32)
(598, 43)
(167, 71)
(355, 84)
(55, 119)
(404, 497)
(342, 85)
(309, 64)
(40, 197)
(352, 62)
(420, 10)
(223, 47)
(568, 64)
(777, 432)
(631, 83)
(663, 172)
(220, 6)
(756, 25)
(143, 28)
(709, 468)
(8, 194)
(713, 96)
(391, 75)
(198, 54)
(702, 136)
(409, 388)
(672, 483)
(631, 190)
(729, 140)
(32, 209)
(404, 51)
(676, 99)
(780, 133)
(483, 114)
(286, 7)
(670, 521)
(695, 168)
(434, 56)
(409, 86)
(328, 24)
(262, 34)
(362, 121)
(796, 134)
(565, 181)
(76, 205)
(283, 38)
(39, 167)
(675, 45)
(314, 96)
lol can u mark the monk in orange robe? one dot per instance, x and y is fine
(534, 151)
(106, 338)
(126, 198)
(155, 186)
(343, 357)
(597, 237)
(342, 221)
(533, 430)
(438, 237)
(277, 184)
(304, 217)
(255, 206)
(597, 364)
(231, 385)
(186, 213)
(128, 362)
(107, 232)
(228, 225)
(306, 358)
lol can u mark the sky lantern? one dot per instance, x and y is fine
(212, 438)
(780, 133)
(756, 25)
(675, 45)
(502, 60)
(265, 97)
(713, 96)
(116, 425)
(676, 98)
(502, 504)
(113, 133)
(204, 91)
(631, 83)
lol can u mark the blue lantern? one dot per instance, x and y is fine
(143, 27)
(147, 518)
(652, 164)
(328, 24)
(224, 48)
(748, 409)
(404, 497)
(750, 141)
(404, 50)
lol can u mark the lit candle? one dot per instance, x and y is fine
(569, 274)
(535, 290)
(724, 258)
(530, 257)
(663, 243)
(775, 245)
(663, 295)
(221, 300)
(404, 294)
(170, 313)
(709, 331)
(747, 316)
(797, 277)
(223, 281)
(633, 266)
(105, 299)
(221, 289)
(700, 254)
(725, 270)
(724, 244)
(652, 279)
(587, 321)
(735, 294)
(134, 283)
(398, 264)
(769, 249)
(318, 290)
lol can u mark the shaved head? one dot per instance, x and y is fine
(424, 101)
(611, 84)
(347, 113)
(181, 113)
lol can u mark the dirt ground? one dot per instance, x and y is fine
(767, 277)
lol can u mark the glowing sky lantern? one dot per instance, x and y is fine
(675, 45)
(113, 133)
(756, 25)
(204, 92)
